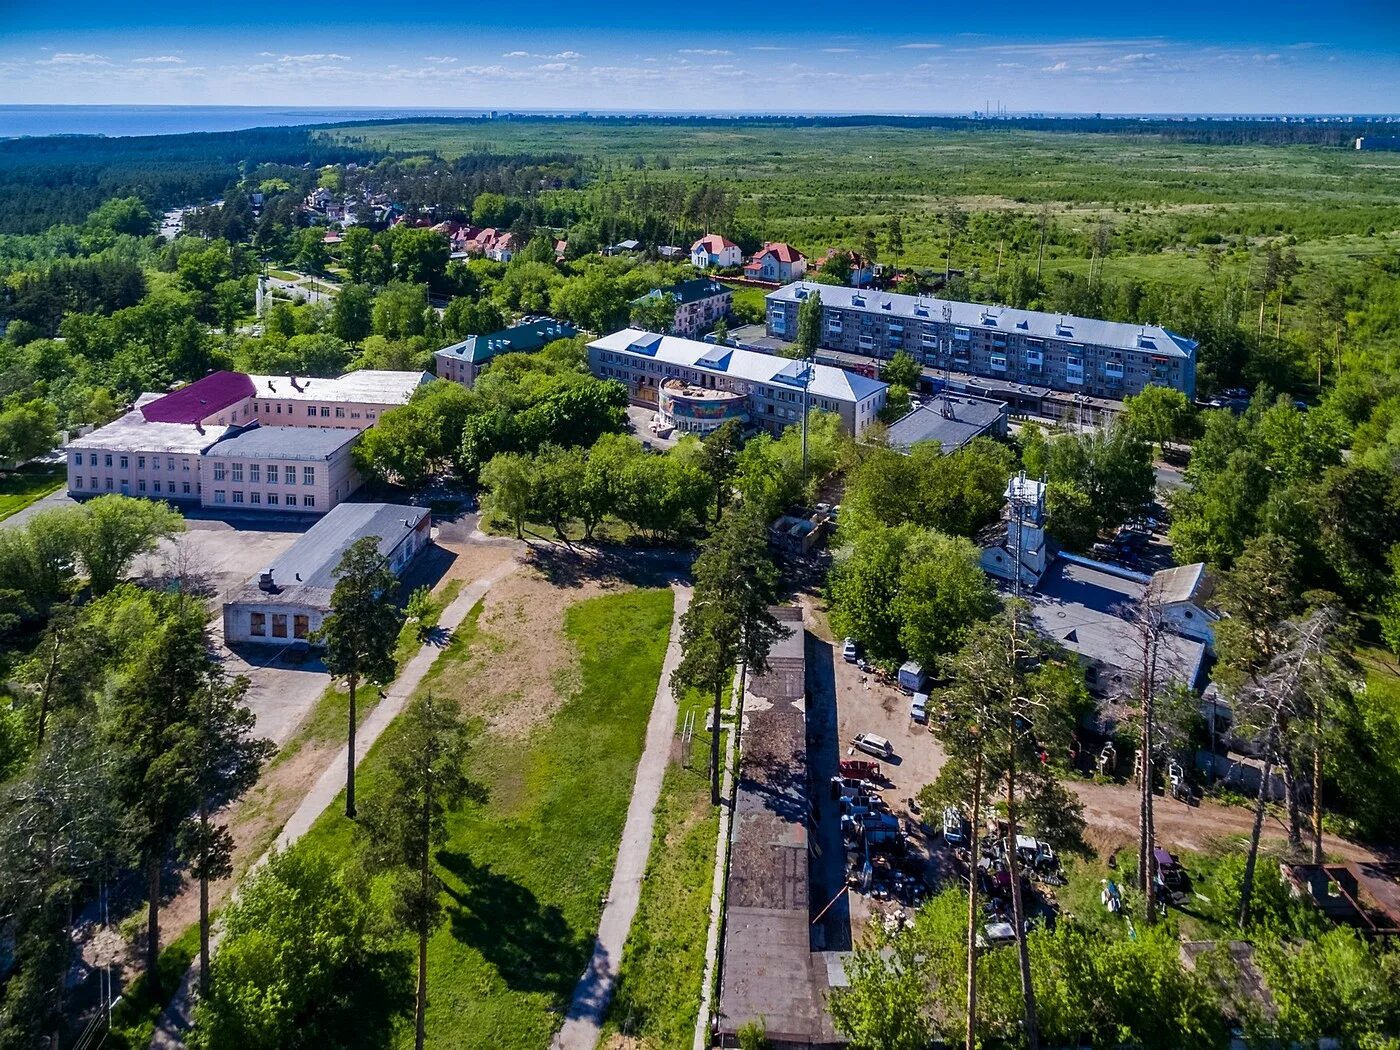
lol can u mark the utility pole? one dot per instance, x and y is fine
(806, 385)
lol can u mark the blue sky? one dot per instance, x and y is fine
(1102, 55)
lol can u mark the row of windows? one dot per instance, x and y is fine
(308, 474)
(312, 411)
(273, 499)
(125, 461)
(257, 625)
(770, 392)
(185, 488)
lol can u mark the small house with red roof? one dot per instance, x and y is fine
(714, 251)
(776, 261)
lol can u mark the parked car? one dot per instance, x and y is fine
(848, 650)
(996, 934)
(954, 826)
(918, 708)
(872, 744)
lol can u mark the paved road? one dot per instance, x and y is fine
(175, 1021)
(583, 1023)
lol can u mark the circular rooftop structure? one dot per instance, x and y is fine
(699, 410)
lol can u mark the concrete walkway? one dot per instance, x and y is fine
(176, 1019)
(584, 1020)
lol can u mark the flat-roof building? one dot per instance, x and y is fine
(714, 383)
(288, 599)
(353, 401)
(306, 470)
(462, 362)
(1108, 359)
(951, 420)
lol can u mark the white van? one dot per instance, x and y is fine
(873, 745)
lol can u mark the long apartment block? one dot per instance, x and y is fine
(1107, 359)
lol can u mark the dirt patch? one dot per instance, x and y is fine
(532, 664)
(1111, 812)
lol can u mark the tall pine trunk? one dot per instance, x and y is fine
(47, 691)
(1293, 805)
(203, 899)
(1317, 790)
(972, 902)
(1018, 912)
(354, 681)
(1252, 857)
(152, 918)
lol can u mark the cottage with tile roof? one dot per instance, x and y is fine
(715, 252)
(776, 261)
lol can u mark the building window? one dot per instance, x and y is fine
(125, 462)
(272, 473)
(308, 475)
(237, 497)
(279, 625)
(169, 462)
(255, 497)
(218, 472)
(255, 472)
(218, 495)
(257, 624)
(158, 486)
(78, 483)
(291, 499)
(141, 486)
(109, 484)
(301, 625)
(325, 412)
(107, 460)
(184, 487)
(339, 412)
(238, 472)
(272, 499)
(141, 462)
(308, 501)
(311, 411)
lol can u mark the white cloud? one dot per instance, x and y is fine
(163, 60)
(918, 47)
(442, 60)
(562, 56)
(838, 51)
(1058, 67)
(327, 57)
(74, 58)
(704, 51)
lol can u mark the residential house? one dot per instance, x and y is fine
(862, 270)
(715, 252)
(776, 261)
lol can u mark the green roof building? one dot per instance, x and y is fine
(463, 362)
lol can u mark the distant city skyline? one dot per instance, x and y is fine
(625, 55)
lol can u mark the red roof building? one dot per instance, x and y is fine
(201, 399)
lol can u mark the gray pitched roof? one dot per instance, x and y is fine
(1117, 334)
(309, 443)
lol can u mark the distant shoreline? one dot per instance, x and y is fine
(115, 120)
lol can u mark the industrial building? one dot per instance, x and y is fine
(697, 386)
(463, 362)
(1106, 359)
(286, 602)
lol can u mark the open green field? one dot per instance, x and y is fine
(526, 872)
(22, 487)
(820, 186)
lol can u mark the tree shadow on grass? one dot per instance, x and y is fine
(528, 942)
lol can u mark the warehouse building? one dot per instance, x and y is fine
(696, 386)
(1107, 359)
(287, 601)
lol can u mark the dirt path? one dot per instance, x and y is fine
(1111, 812)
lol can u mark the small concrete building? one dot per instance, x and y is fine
(280, 469)
(286, 602)
(463, 362)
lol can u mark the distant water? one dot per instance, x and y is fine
(178, 120)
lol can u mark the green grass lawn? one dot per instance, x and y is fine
(663, 965)
(20, 488)
(526, 872)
